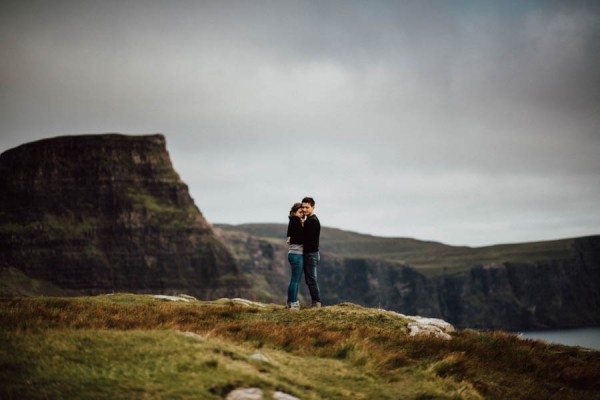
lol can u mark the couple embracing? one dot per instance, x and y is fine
(303, 234)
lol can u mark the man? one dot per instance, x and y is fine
(311, 233)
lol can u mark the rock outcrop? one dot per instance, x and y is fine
(98, 213)
(430, 327)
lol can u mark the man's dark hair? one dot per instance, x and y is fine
(309, 200)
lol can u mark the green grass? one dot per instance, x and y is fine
(14, 282)
(134, 346)
(53, 226)
(164, 214)
(430, 258)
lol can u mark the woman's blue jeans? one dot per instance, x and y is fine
(296, 263)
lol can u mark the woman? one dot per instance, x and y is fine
(295, 257)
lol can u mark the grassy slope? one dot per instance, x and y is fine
(14, 282)
(131, 346)
(429, 257)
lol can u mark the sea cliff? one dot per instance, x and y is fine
(559, 293)
(102, 213)
(94, 214)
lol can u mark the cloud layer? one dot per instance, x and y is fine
(465, 122)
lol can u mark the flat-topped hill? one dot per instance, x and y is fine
(95, 213)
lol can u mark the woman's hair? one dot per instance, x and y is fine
(294, 208)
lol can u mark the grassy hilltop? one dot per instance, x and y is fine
(137, 346)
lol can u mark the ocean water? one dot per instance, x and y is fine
(584, 337)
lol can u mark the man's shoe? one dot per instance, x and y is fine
(316, 304)
(294, 306)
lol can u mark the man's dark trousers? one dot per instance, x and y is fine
(311, 262)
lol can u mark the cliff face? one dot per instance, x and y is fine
(552, 294)
(100, 213)
(263, 263)
(511, 296)
(515, 296)
(378, 283)
(368, 282)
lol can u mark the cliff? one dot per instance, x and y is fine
(108, 213)
(562, 293)
(551, 293)
(98, 213)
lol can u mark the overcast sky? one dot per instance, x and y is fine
(465, 122)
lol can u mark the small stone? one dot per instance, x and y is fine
(192, 335)
(283, 396)
(187, 296)
(170, 298)
(261, 357)
(247, 303)
(245, 394)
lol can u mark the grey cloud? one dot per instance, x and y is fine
(466, 121)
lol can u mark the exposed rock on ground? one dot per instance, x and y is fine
(256, 394)
(170, 298)
(245, 394)
(192, 335)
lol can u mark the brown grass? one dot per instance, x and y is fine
(498, 365)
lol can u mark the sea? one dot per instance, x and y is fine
(584, 337)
